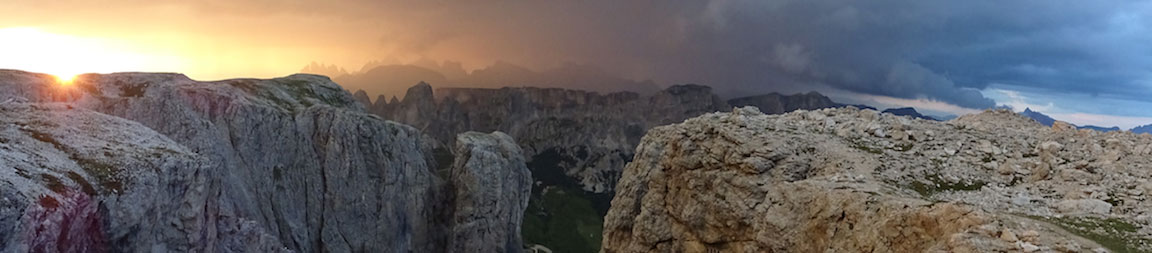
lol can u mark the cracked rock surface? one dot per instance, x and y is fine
(849, 180)
(491, 186)
(243, 165)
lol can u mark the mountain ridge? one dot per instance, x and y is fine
(288, 164)
(1049, 121)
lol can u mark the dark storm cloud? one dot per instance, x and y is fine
(939, 50)
(919, 49)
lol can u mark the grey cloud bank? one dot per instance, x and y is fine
(946, 51)
(938, 50)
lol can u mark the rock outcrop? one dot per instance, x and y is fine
(74, 180)
(576, 142)
(775, 103)
(582, 135)
(850, 180)
(1038, 117)
(289, 163)
(491, 189)
(908, 111)
(362, 97)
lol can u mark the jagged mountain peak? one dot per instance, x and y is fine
(1038, 117)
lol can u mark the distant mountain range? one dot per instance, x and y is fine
(776, 103)
(1049, 121)
(1038, 117)
(1099, 128)
(1143, 129)
(394, 79)
(909, 111)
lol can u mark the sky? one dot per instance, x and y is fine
(1086, 62)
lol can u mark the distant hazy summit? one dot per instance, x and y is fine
(1143, 129)
(909, 111)
(1049, 121)
(776, 103)
(1038, 117)
(394, 79)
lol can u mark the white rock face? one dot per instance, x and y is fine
(289, 163)
(492, 187)
(75, 180)
(1084, 206)
(748, 182)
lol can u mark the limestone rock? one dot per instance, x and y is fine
(492, 187)
(775, 103)
(585, 136)
(690, 189)
(362, 98)
(75, 180)
(243, 165)
(1084, 206)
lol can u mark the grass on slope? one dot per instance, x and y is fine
(1114, 234)
(563, 220)
(560, 215)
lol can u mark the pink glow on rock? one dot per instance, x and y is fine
(69, 223)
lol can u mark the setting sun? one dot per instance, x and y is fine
(66, 56)
(65, 79)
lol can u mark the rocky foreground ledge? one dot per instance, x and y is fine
(147, 162)
(848, 180)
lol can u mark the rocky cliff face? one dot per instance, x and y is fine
(576, 142)
(74, 180)
(775, 103)
(289, 163)
(584, 135)
(907, 111)
(850, 180)
(491, 190)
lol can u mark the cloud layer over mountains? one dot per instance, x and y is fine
(936, 50)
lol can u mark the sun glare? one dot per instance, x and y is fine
(65, 79)
(66, 56)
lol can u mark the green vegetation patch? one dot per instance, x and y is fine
(133, 90)
(868, 149)
(46, 138)
(564, 221)
(560, 215)
(253, 88)
(84, 185)
(1111, 233)
(904, 146)
(108, 176)
(301, 91)
(444, 160)
(862, 145)
(53, 183)
(935, 184)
